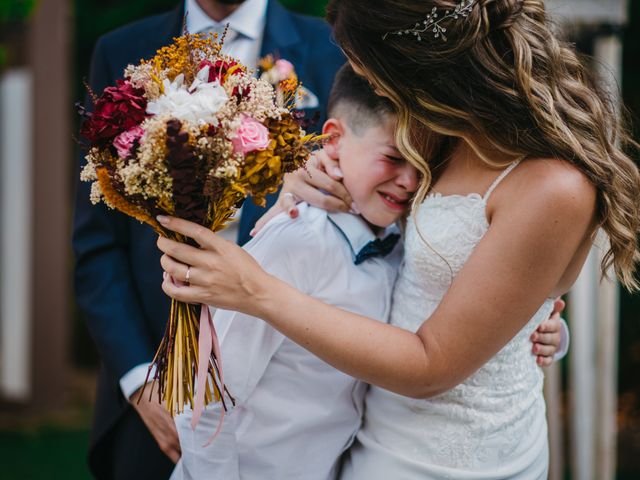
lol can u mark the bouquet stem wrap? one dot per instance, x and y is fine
(188, 363)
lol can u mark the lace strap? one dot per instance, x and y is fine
(497, 181)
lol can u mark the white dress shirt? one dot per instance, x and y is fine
(243, 41)
(295, 414)
(246, 28)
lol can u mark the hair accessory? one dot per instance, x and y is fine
(433, 22)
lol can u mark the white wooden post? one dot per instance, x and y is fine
(607, 393)
(16, 193)
(552, 394)
(608, 53)
(583, 308)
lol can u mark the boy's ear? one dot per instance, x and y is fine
(334, 129)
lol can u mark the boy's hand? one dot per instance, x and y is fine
(548, 336)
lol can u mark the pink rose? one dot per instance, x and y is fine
(250, 136)
(126, 140)
(284, 68)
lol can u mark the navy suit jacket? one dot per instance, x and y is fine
(117, 272)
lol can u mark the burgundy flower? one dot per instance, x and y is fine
(241, 93)
(119, 109)
(219, 69)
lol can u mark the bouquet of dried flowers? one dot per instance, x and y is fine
(190, 133)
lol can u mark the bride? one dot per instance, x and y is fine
(522, 162)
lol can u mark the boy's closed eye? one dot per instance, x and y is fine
(394, 159)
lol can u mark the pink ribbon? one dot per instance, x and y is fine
(207, 343)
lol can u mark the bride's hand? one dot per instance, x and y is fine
(220, 273)
(319, 185)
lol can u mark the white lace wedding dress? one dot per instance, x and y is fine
(492, 426)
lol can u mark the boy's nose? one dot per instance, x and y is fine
(408, 177)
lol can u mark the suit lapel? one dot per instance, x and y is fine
(147, 45)
(281, 37)
(174, 25)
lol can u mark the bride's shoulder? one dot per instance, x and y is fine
(559, 179)
(549, 184)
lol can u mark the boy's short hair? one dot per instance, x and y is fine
(353, 100)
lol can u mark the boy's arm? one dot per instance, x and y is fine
(247, 345)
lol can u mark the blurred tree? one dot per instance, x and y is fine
(309, 7)
(15, 10)
(13, 15)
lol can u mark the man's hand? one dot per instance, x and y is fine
(547, 337)
(158, 421)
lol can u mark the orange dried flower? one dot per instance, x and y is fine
(118, 202)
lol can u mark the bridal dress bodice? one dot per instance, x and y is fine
(490, 426)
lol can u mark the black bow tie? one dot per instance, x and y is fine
(377, 248)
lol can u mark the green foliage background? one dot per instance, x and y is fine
(15, 10)
(13, 13)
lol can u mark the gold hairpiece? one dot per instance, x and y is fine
(433, 22)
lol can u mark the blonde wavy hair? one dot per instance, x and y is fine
(504, 80)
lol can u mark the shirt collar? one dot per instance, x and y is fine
(248, 20)
(355, 230)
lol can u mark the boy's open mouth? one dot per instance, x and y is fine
(393, 201)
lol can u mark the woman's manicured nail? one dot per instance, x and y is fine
(162, 220)
(354, 208)
(337, 172)
(293, 212)
(253, 232)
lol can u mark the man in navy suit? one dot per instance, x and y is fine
(117, 272)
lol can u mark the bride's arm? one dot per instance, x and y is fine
(532, 239)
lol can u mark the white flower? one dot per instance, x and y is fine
(197, 104)
(272, 76)
(96, 193)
